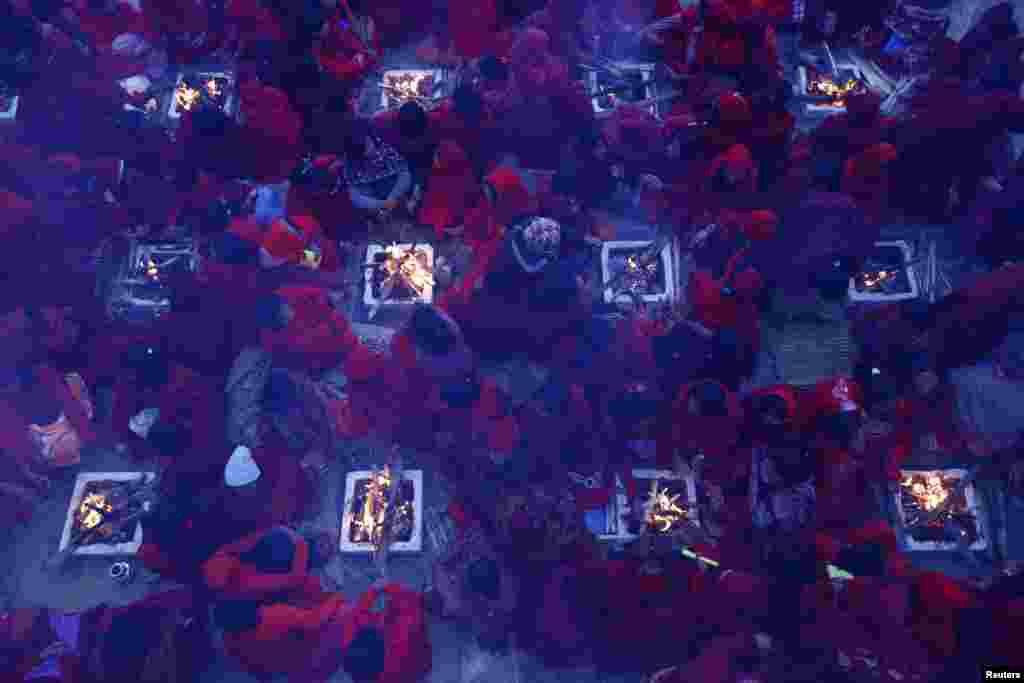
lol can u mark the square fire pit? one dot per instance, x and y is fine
(886, 276)
(217, 85)
(141, 290)
(653, 282)
(607, 91)
(88, 506)
(399, 86)
(670, 501)
(832, 89)
(407, 270)
(366, 494)
(922, 490)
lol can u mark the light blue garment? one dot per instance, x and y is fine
(271, 203)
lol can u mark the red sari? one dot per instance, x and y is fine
(338, 50)
(715, 437)
(231, 577)
(317, 338)
(451, 190)
(271, 138)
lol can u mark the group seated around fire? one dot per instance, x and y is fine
(652, 503)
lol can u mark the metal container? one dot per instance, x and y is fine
(122, 572)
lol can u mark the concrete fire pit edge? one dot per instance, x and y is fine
(973, 504)
(666, 264)
(415, 542)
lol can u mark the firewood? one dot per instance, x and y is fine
(81, 538)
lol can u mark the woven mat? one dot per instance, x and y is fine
(806, 352)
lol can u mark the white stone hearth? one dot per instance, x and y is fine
(882, 297)
(973, 505)
(616, 531)
(667, 263)
(172, 108)
(415, 542)
(368, 297)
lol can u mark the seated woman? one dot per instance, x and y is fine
(377, 176)
(163, 638)
(266, 563)
(706, 421)
(277, 637)
(56, 423)
(452, 188)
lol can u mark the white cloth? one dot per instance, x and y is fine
(144, 421)
(241, 469)
(130, 45)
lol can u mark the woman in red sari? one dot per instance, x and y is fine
(451, 190)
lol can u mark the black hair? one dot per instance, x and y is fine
(273, 554)
(865, 559)
(230, 248)
(235, 616)
(280, 393)
(723, 181)
(566, 184)
(631, 406)
(711, 398)
(268, 312)
(169, 438)
(468, 104)
(364, 656)
(354, 141)
(151, 364)
(461, 392)
(493, 69)
(412, 120)
(840, 427)
(431, 332)
(832, 277)
(771, 406)
(483, 576)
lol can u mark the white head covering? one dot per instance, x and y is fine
(241, 469)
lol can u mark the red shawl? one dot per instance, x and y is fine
(451, 190)
(271, 138)
(716, 437)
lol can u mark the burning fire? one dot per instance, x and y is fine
(213, 88)
(663, 510)
(405, 263)
(151, 268)
(829, 88)
(408, 85)
(368, 524)
(188, 97)
(872, 280)
(94, 506)
(633, 264)
(930, 494)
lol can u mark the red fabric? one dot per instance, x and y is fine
(486, 222)
(738, 312)
(831, 396)
(271, 138)
(285, 638)
(934, 622)
(337, 52)
(633, 133)
(474, 27)
(188, 399)
(316, 338)
(103, 28)
(738, 162)
(715, 437)
(14, 212)
(473, 138)
(253, 21)
(853, 134)
(714, 663)
(230, 577)
(332, 211)
(451, 190)
(866, 178)
(403, 623)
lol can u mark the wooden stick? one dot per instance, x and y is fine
(57, 561)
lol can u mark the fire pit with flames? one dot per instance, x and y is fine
(193, 89)
(637, 272)
(886, 275)
(400, 274)
(630, 83)
(663, 504)
(99, 503)
(366, 511)
(141, 291)
(938, 514)
(411, 85)
(829, 91)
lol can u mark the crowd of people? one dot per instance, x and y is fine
(255, 380)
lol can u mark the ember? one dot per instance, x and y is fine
(837, 90)
(639, 277)
(403, 86)
(402, 273)
(96, 510)
(663, 512)
(192, 90)
(884, 272)
(369, 508)
(921, 494)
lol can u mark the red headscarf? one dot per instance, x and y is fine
(451, 190)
